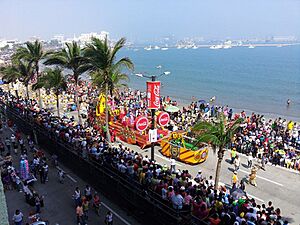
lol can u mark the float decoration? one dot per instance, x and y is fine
(184, 148)
(24, 169)
(141, 123)
(101, 105)
(163, 119)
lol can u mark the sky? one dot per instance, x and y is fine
(150, 19)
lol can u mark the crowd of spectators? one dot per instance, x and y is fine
(175, 188)
(277, 140)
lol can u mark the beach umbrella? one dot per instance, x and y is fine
(280, 151)
(202, 101)
(238, 193)
(171, 108)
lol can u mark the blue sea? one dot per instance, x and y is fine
(256, 80)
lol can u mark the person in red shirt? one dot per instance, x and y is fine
(214, 220)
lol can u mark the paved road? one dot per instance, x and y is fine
(276, 184)
(59, 205)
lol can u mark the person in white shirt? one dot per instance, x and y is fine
(177, 201)
(77, 196)
(146, 159)
(18, 217)
(211, 182)
(164, 192)
(109, 218)
(172, 165)
(237, 163)
(198, 177)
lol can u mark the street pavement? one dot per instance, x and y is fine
(276, 184)
(59, 206)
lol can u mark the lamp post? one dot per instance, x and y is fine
(153, 79)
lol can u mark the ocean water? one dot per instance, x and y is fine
(259, 80)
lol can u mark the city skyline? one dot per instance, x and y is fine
(149, 21)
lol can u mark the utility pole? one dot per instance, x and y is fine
(152, 125)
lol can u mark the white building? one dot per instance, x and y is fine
(59, 38)
(86, 38)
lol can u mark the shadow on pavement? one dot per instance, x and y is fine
(228, 161)
(230, 169)
(245, 166)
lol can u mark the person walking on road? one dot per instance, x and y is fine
(250, 160)
(109, 218)
(41, 172)
(233, 155)
(79, 215)
(96, 203)
(37, 204)
(61, 176)
(2, 149)
(252, 176)
(85, 207)
(45, 172)
(173, 164)
(235, 180)
(88, 193)
(8, 144)
(18, 217)
(13, 139)
(263, 162)
(77, 196)
(237, 163)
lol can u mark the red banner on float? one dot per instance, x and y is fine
(153, 94)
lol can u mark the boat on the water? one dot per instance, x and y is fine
(227, 46)
(148, 48)
(164, 48)
(216, 47)
(251, 46)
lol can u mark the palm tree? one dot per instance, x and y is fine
(22, 71)
(9, 76)
(33, 53)
(105, 68)
(53, 79)
(70, 58)
(219, 134)
(116, 81)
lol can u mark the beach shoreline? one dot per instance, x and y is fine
(267, 115)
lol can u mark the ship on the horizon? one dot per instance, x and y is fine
(216, 47)
(148, 48)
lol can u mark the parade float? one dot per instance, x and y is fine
(130, 129)
(184, 148)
